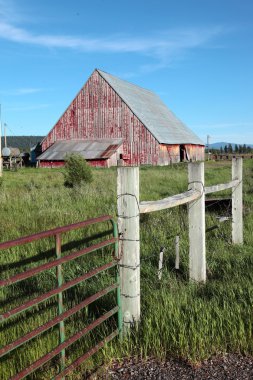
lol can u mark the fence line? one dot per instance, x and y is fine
(129, 210)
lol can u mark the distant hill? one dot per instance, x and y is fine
(24, 143)
(223, 144)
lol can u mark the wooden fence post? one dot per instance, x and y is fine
(237, 207)
(160, 263)
(177, 252)
(129, 243)
(196, 214)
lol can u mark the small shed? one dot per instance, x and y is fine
(99, 152)
(108, 108)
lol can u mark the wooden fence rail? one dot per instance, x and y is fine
(173, 201)
(221, 186)
(129, 210)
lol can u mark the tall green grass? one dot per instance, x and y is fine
(179, 318)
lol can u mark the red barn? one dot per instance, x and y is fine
(112, 119)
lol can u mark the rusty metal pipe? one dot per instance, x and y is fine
(53, 292)
(53, 232)
(31, 272)
(39, 330)
(40, 362)
(87, 355)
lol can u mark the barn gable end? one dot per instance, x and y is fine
(109, 108)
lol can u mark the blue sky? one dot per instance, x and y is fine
(197, 55)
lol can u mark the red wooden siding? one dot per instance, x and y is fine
(51, 164)
(60, 164)
(98, 112)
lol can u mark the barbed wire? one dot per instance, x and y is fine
(137, 202)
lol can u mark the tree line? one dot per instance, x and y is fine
(23, 143)
(237, 149)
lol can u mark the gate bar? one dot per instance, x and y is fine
(31, 272)
(53, 232)
(44, 359)
(53, 292)
(39, 330)
(88, 354)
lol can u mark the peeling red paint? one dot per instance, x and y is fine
(51, 164)
(59, 164)
(99, 112)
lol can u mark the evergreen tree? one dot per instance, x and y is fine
(23, 143)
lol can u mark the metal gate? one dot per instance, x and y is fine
(58, 291)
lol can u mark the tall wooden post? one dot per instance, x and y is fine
(237, 207)
(177, 252)
(196, 214)
(160, 263)
(129, 243)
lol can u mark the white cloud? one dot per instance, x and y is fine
(24, 91)
(162, 47)
(27, 108)
(21, 91)
(161, 43)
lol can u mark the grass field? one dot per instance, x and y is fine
(179, 318)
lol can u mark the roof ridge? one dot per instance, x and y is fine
(152, 112)
(123, 80)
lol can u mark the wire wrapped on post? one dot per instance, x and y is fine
(129, 242)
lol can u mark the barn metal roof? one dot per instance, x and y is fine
(88, 149)
(152, 112)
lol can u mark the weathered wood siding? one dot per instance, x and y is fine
(195, 152)
(169, 154)
(98, 112)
